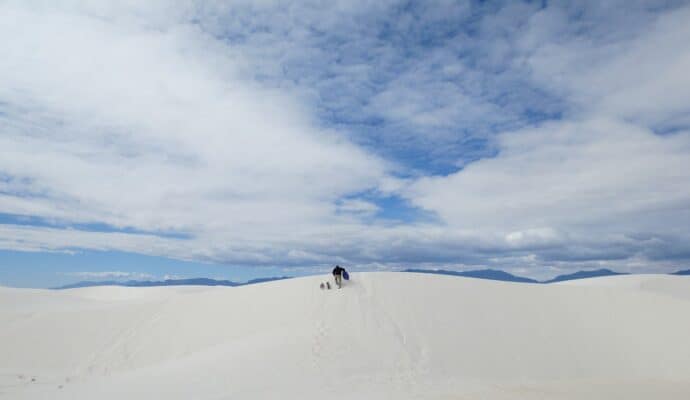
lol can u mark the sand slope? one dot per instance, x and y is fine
(386, 335)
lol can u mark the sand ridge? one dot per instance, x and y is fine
(385, 335)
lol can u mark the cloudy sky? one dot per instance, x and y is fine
(241, 138)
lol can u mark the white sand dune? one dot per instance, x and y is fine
(386, 335)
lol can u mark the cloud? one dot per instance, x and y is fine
(615, 72)
(568, 173)
(110, 275)
(154, 130)
(357, 206)
(553, 137)
(590, 185)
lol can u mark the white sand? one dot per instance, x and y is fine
(386, 335)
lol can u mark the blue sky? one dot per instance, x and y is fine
(55, 269)
(243, 139)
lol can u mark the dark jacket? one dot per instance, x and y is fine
(338, 270)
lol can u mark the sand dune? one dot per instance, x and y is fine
(385, 335)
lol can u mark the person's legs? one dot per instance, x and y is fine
(339, 280)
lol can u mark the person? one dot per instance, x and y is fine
(338, 275)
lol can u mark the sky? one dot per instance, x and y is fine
(241, 139)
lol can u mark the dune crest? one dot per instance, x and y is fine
(385, 335)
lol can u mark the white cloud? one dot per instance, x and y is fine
(593, 184)
(357, 206)
(634, 72)
(567, 173)
(180, 118)
(115, 121)
(108, 275)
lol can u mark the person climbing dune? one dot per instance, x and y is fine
(338, 272)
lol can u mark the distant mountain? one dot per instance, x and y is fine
(171, 282)
(585, 274)
(686, 272)
(498, 275)
(490, 274)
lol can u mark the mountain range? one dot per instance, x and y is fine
(490, 274)
(585, 274)
(498, 275)
(171, 282)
